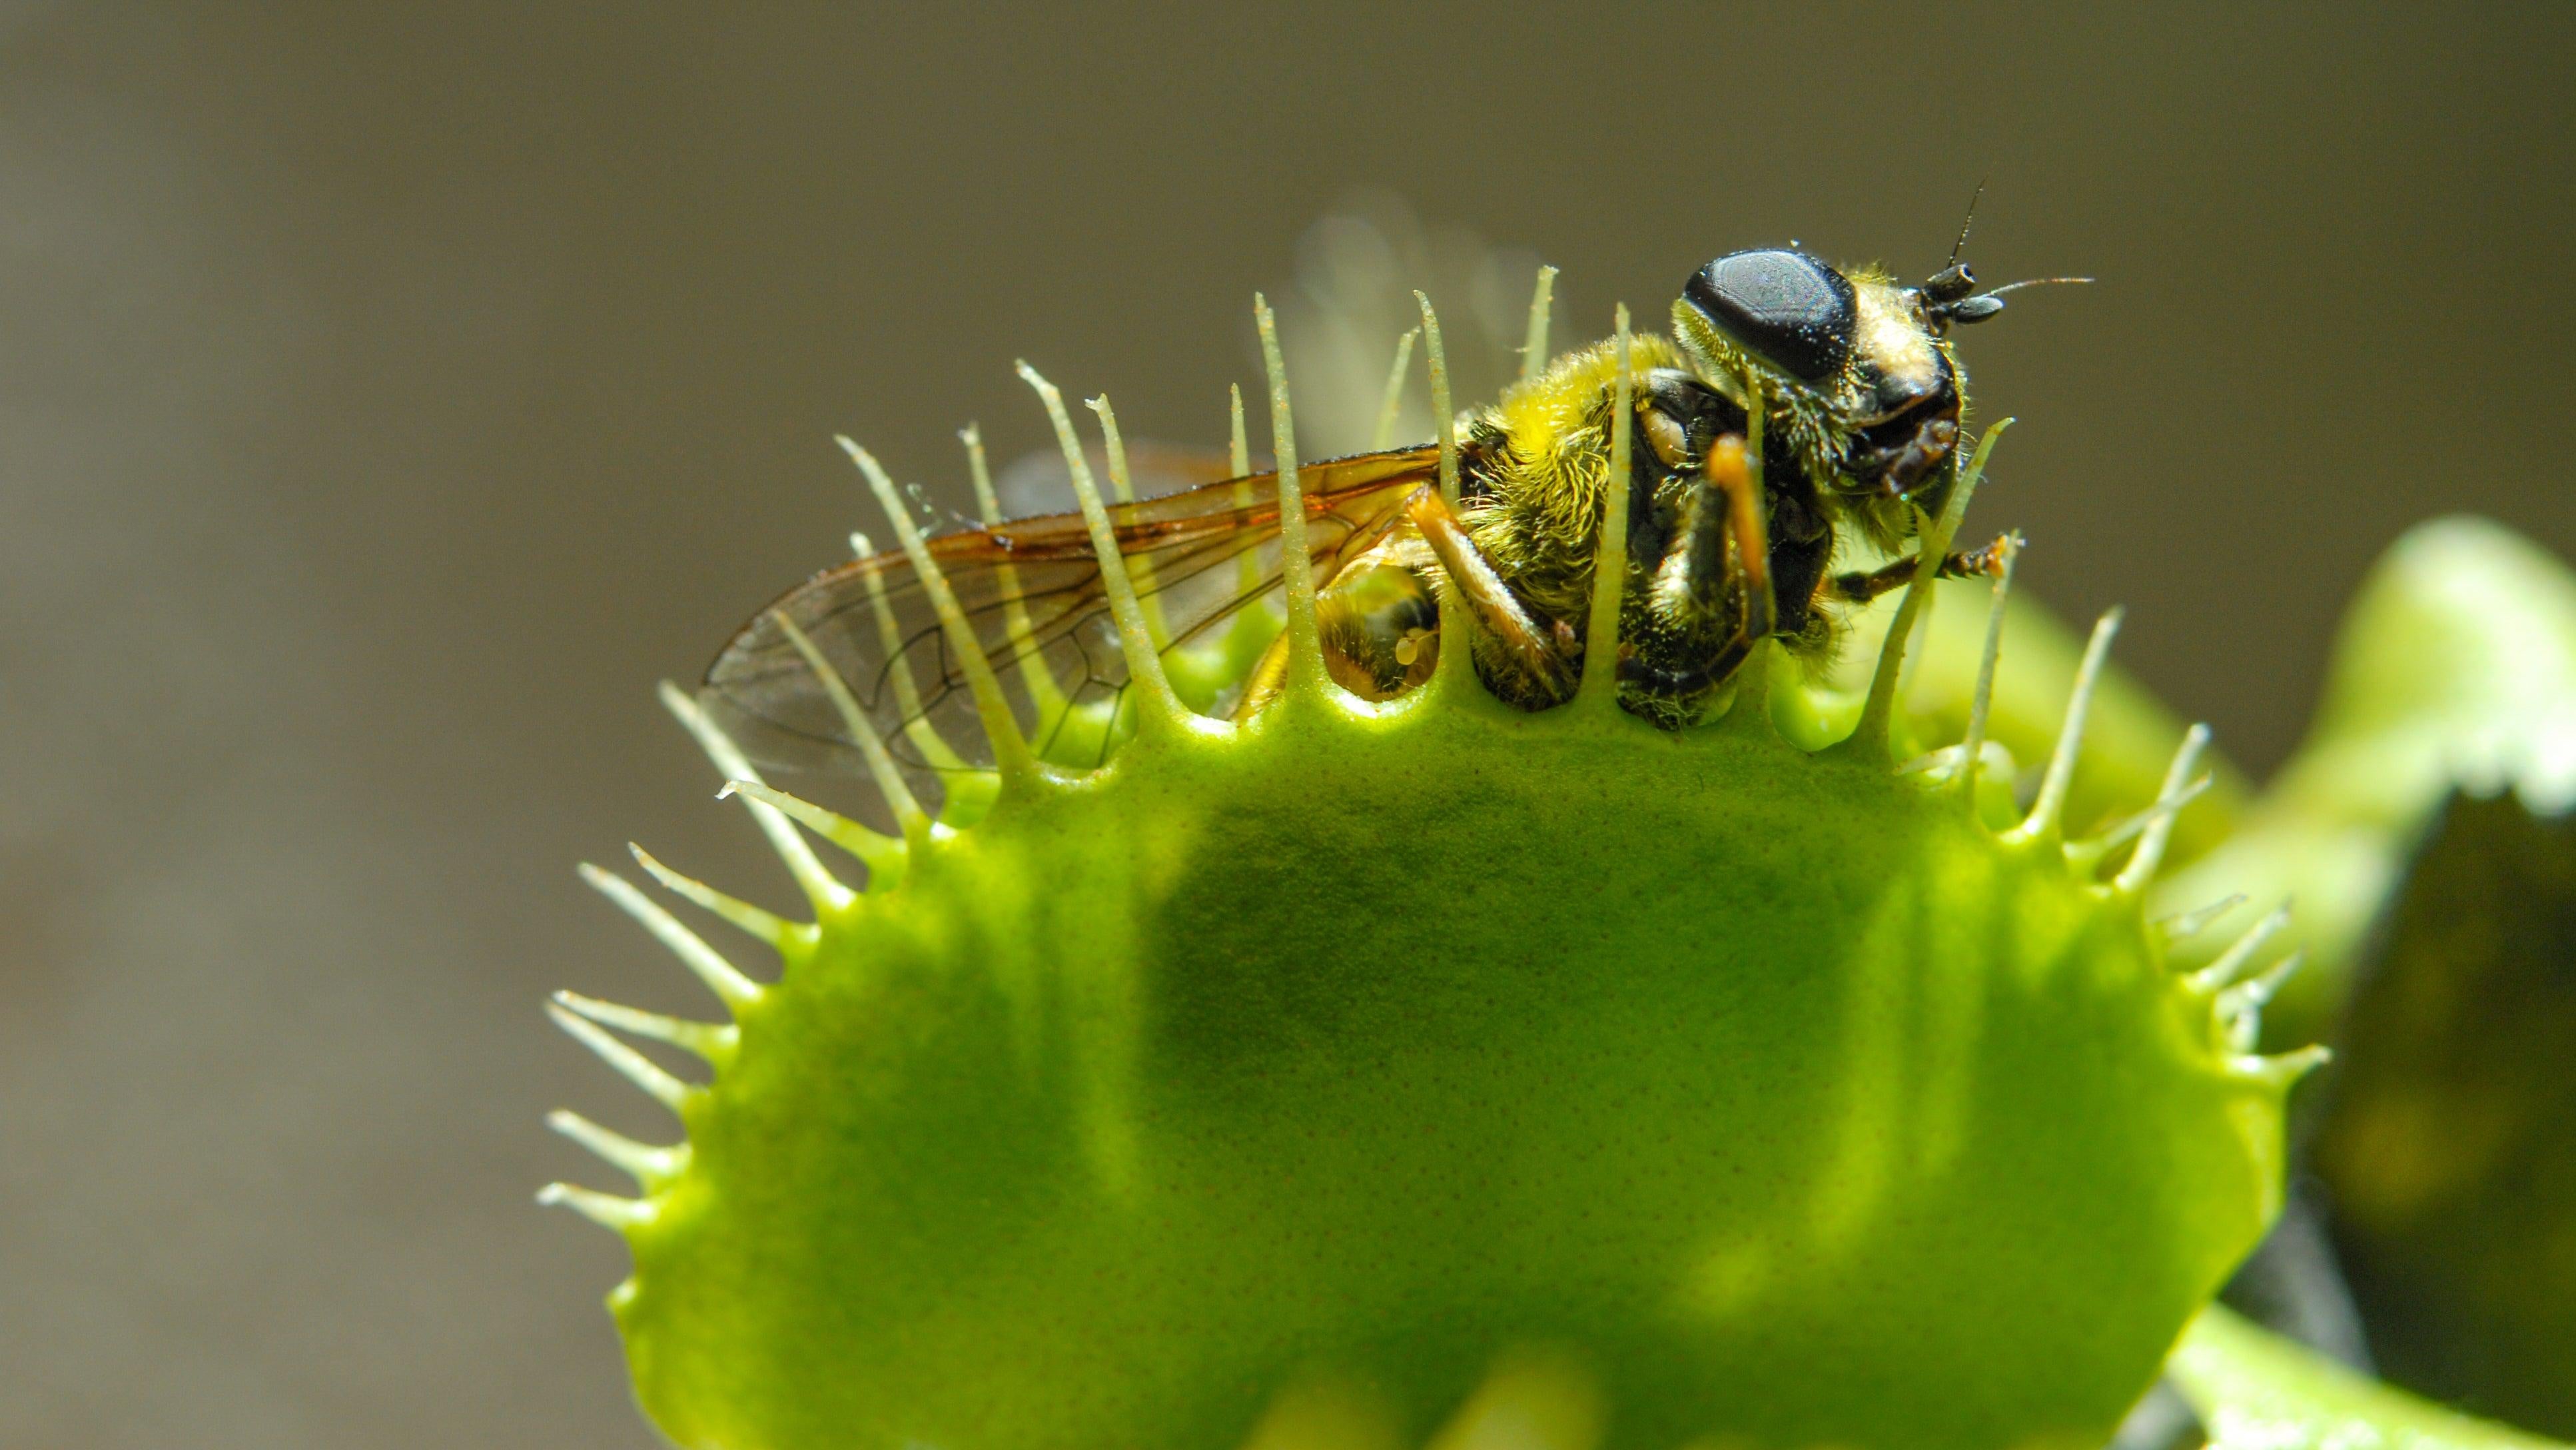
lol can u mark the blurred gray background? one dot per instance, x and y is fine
(390, 393)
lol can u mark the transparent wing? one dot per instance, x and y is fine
(1032, 592)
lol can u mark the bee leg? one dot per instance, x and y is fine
(1531, 651)
(1269, 676)
(1676, 661)
(1725, 469)
(1722, 509)
(1861, 587)
(1379, 624)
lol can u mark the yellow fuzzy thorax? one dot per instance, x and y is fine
(1549, 468)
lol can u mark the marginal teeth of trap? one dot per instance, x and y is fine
(2218, 975)
(1932, 543)
(1160, 707)
(2282, 1069)
(2241, 1007)
(647, 1164)
(705, 1040)
(818, 884)
(2254, 994)
(1972, 746)
(2145, 822)
(1943, 764)
(925, 737)
(2089, 852)
(1139, 570)
(934, 747)
(1455, 664)
(908, 813)
(709, 965)
(634, 1066)
(1247, 565)
(1046, 695)
(750, 919)
(1391, 405)
(2244, 1028)
(1305, 643)
(2051, 803)
(1001, 729)
(2157, 824)
(1534, 343)
(883, 855)
(604, 1209)
(2183, 925)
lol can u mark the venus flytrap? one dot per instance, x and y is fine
(1786, 1094)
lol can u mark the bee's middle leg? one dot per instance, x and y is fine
(1723, 523)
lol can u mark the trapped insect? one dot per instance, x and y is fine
(1795, 411)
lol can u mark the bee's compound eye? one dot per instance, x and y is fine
(1793, 311)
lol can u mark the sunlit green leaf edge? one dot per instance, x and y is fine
(2255, 1390)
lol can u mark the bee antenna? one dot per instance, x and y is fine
(1971, 220)
(2036, 282)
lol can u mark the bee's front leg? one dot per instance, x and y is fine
(1860, 587)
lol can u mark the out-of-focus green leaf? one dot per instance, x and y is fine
(2257, 1391)
(2455, 671)
(2448, 1138)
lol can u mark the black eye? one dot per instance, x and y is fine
(1795, 312)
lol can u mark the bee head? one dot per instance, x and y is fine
(1857, 348)
(1854, 365)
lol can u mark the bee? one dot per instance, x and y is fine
(1850, 374)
